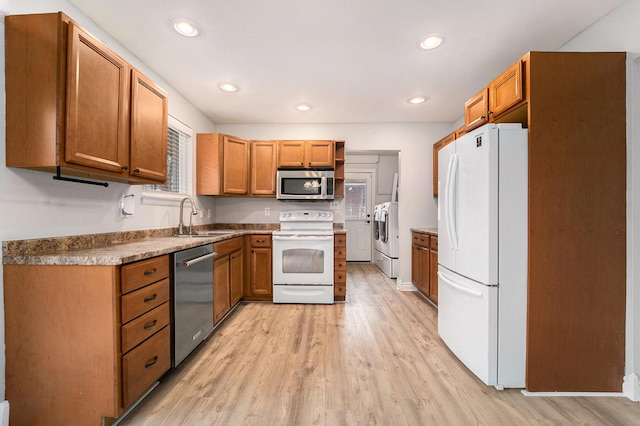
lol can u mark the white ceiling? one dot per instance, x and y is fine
(351, 60)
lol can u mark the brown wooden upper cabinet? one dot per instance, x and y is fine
(75, 106)
(222, 164)
(264, 157)
(500, 97)
(306, 154)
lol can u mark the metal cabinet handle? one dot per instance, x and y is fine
(198, 259)
(136, 170)
(150, 325)
(152, 362)
(150, 298)
(125, 168)
(151, 271)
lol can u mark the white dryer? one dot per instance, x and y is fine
(386, 245)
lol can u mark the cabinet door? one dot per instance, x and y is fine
(221, 280)
(148, 129)
(235, 176)
(291, 154)
(476, 110)
(236, 277)
(261, 284)
(506, 90)
(424, 271)
(319, 153)
(97, 105)
(433, 271)
(415, 266)
(263, 168)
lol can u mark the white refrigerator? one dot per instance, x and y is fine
(482, 252)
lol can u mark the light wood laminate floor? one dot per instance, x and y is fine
(374, 360)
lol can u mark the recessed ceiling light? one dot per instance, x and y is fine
(417, 99)
(303, 107)
(185, 28)
(228, 87)
(430, 41)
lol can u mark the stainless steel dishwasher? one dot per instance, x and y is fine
(192, 294)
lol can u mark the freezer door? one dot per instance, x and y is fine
(467, 323)
(476, 205)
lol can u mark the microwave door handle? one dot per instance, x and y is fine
(323, 187)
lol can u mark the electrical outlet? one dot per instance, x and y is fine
(267, 211)
(333, 205)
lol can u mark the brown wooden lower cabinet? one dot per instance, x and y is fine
(259, 282)
(340, 268)
(424, 264)
(77, 348)
(227, 276)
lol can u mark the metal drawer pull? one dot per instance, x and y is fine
(150, 363)
(150, 325)
(151, 272)
(150, 298)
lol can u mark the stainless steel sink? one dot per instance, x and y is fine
(203, 234)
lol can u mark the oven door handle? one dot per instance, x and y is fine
(303, 237)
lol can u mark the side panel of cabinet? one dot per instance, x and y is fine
(236, 266)
(45, 307)
(149, 109)
(263, 168)
(35, 50)
(221, 280)
(433, 269)
(97, 104)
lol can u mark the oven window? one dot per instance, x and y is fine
(302, 186)
(303, 261)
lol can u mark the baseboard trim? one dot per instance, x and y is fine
(405, 286)
(4, 413)
(631, 387)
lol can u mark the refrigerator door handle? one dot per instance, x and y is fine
(452, 184)
(458, 287)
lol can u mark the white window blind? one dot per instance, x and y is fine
(179, 169)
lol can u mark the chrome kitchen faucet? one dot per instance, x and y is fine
(194, 211)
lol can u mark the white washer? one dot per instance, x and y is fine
(386, 246)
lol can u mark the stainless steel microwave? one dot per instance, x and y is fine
(305, 185)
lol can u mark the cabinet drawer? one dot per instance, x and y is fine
(340, 240)
(421, 239)
(140, 301)
(433, 243)
(340, 290)
(223, 248)
(339, 277)
(144, 365)
(340, 253)
(136, 331)
(139, 274)
(340, 264)
(261, 241)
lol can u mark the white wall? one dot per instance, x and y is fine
(33, 205)
(414, 142)
(619, 31)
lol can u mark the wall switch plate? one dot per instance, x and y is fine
(208, 213)
(267, 211)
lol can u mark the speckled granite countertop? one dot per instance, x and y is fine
(430, 231)
(119, 247)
